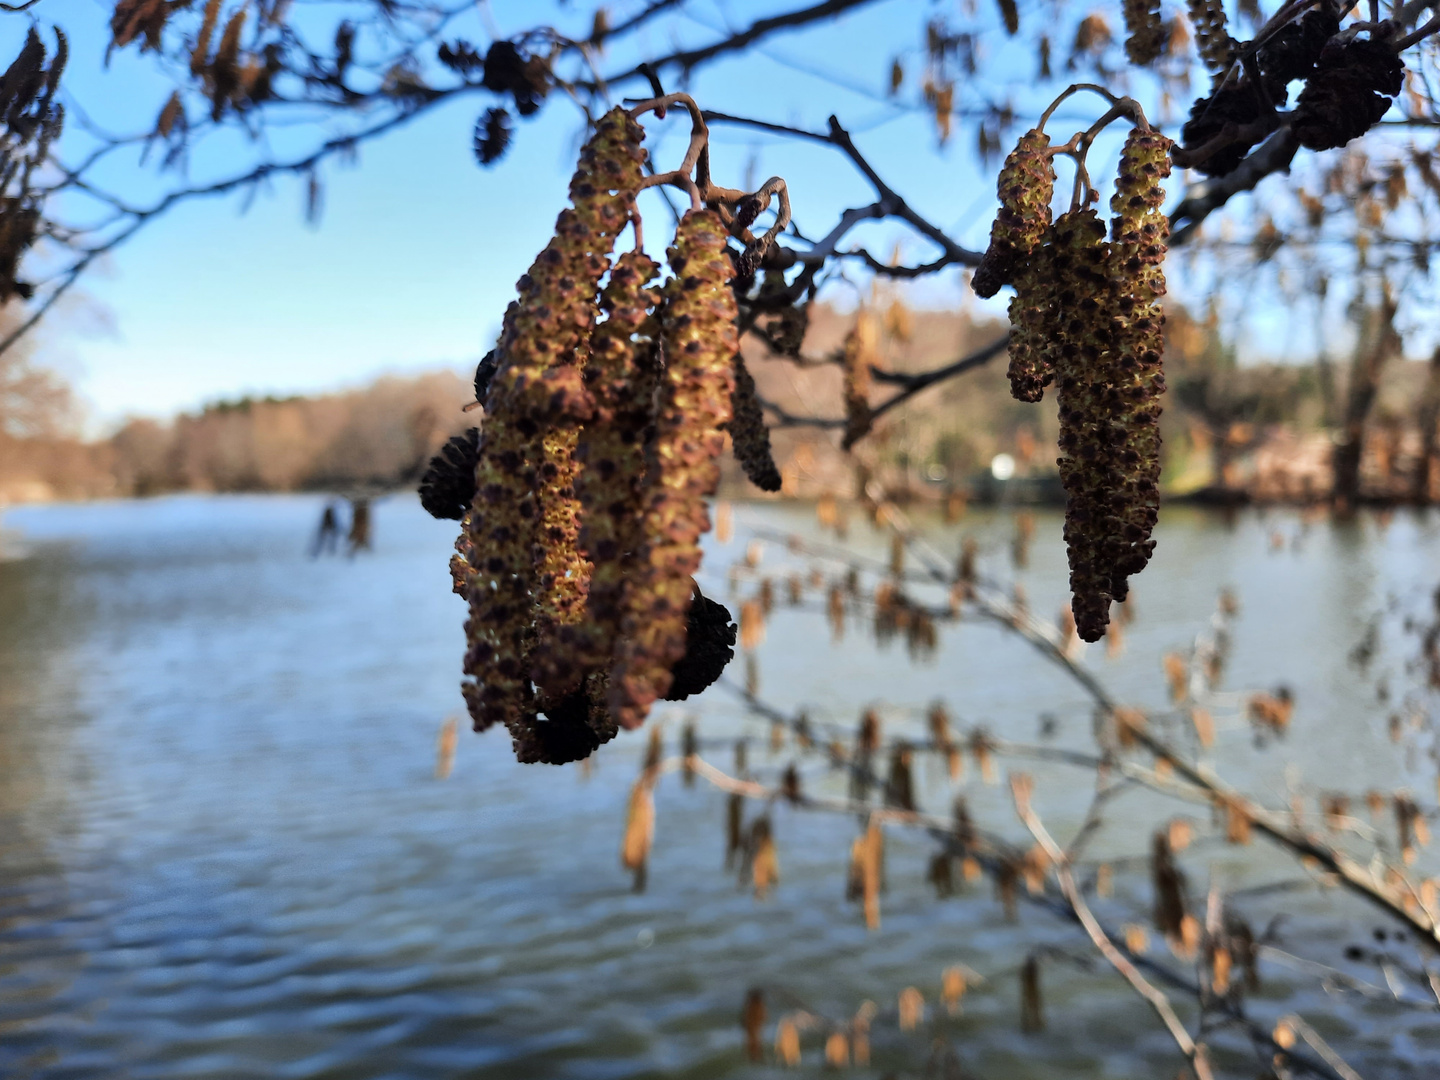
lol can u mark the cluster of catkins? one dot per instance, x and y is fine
(1086, 316)
(1349, 84)
(583, 496)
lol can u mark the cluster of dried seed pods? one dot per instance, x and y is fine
(583, 496)
(1087, 314)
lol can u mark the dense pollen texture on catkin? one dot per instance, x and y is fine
(699, 341)
(1027, 182)
(611, 454)
(524, 498)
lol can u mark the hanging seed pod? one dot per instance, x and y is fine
(521, 480)
(1137, 252)
(861, 351)
(790, 784)
(698, 334)
(911, 1006)
(787, 1043)
(941, 875)
(1216, 47)
(752, 1019)
(734, 828)
(689, 750)
(952, 989)
(1027, 182)
(448, 487)
(837, 1050)
(764, 862)
(872, 868)
(1145, 32)
(1032, 1006)
(1169, 885)
(1084, 291)
(639, 831)
(900, 788)
(748, 433)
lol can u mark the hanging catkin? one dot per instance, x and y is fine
(1145, 33)
(1085, 295)
(537, 387)
(1214, 43)
(1026, 184)
(1139, 233)
(699, 341)
(611, 480)
(748, 433)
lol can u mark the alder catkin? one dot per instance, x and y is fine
(1032, 327)
(1027, 182)
(748, 433)
(1145, 33)
(699, 340)
(861, 350)
(610, 450)
(1085, 295)
(1140, 230)
(537, 390)
(1212, 40)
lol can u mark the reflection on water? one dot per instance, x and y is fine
(224, 851)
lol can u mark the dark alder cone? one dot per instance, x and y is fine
(709, 646)
(492, 136)
(748, 433)
(1140, 231)
(782, 329)
(1145, 34)
(33, 119)
(1026, 184)
(1292, 53)
(1032, 327)
(699, 341)
(1231, 104)
(448, 487)
(1349, 91)
(1085, 298)
(460, 57)
(510, 71)
(1168, 882)
(484, 373)
(523, 478)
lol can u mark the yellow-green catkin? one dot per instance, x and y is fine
(1032, 318)
(699, 340)
(538, 390)
(1139, 231)
(1026, 185)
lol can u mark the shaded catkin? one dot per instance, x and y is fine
(1140, 230)
(861, 350)
(748, 433)
(1145, 32)
(1085, 295)
(537, 387)
(1212, 40)
(699, 340)
(1027, 182)
(1032, 321)
(610, 450)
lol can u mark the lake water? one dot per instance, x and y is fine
(224, 853)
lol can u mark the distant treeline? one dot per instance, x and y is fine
(378, 436)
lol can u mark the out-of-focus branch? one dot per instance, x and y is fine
(1020, 786)
(1274, 155)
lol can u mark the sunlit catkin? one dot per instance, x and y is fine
(611, 453)
(698, 336)
(1027, 182)
(639, 831)
(537, 389)
(911, 1006)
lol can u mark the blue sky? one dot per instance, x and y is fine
(418, 250)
